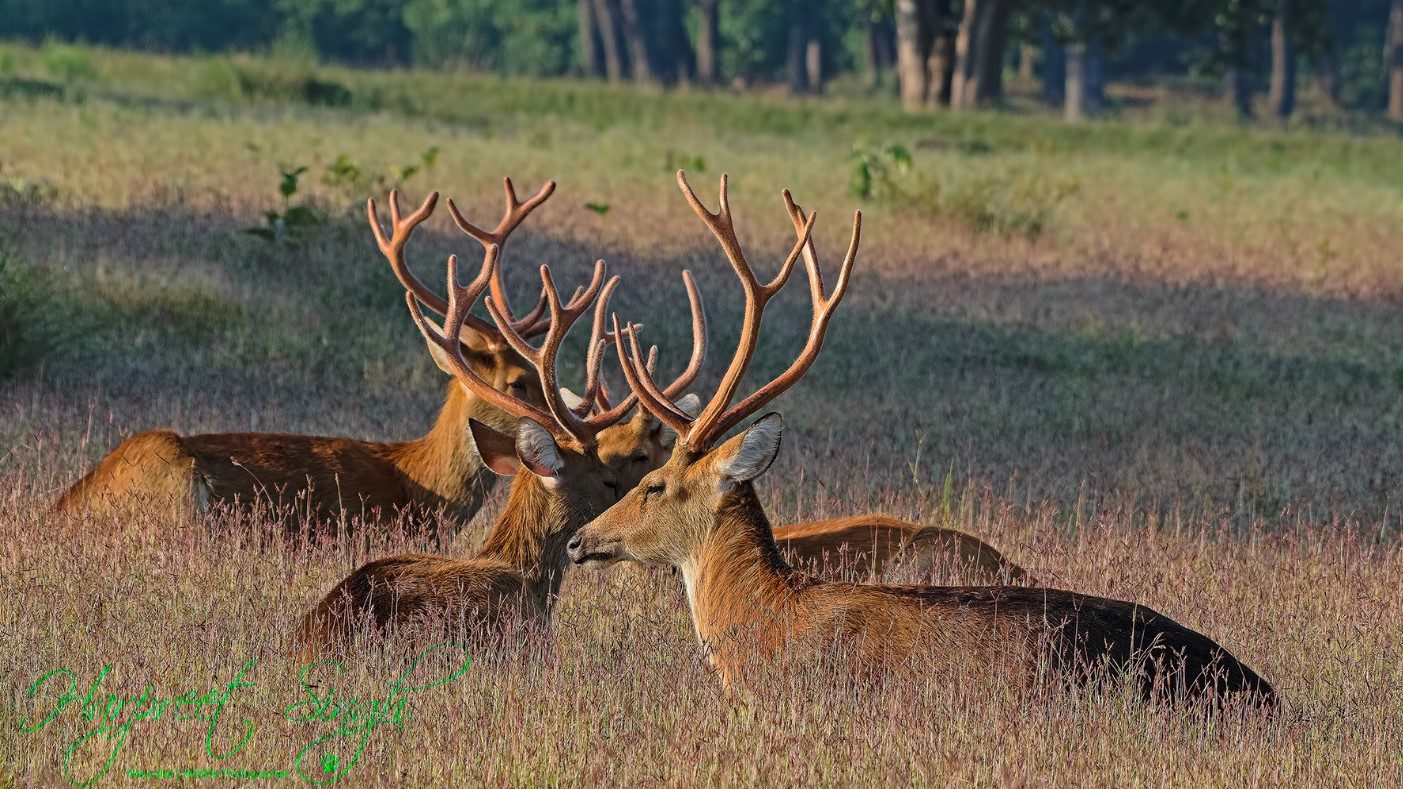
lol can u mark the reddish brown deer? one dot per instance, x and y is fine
(324, 478)
(700, 513)
(558, 482)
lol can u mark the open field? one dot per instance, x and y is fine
(1161, 363)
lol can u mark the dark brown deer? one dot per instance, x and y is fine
(326, 479)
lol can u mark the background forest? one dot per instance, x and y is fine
(952, 53)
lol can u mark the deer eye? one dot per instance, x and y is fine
(653, 490)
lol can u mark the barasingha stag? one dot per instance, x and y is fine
(558, 482)
(322, 480)
(752, 611)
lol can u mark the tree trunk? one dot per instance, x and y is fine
(1282, 92)
(708, 42)
(590, 63)
(675, 52)
(797, 76)
(606, 18)
(872, 56)
(942, 67)
(910, 55)
(1084, 91)
(979, 53)
(632, 23)
(1027, 63)
(1393, 61)
(962, 81)
(1054, 70)
(990, 46)
(813, 65)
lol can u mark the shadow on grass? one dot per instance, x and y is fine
(920, 375)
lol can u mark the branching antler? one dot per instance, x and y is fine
(402, 227)
(718, 417)
(683, 379)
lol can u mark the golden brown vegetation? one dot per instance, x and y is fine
(1184, 391)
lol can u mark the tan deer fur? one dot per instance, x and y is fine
(752, 611)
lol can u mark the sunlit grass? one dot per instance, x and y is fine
(1184, 389)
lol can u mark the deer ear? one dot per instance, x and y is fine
(538, 452)
(690, 404)
(498, 452)
(476, 345)
(572, 400)
(750, 454)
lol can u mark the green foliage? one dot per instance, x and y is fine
(598, 208)
(692, 163)
(294, 219)
(68, 64)
(875, 168)
(355, 181)
(519, 37)
(1012, 202)
(277, 79)
(29, 328)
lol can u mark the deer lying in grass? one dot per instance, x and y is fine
(558, 482)
(325, 478)
(871, 546)
(700, 513)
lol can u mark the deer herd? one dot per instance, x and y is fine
(650, 478)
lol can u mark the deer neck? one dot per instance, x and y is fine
(531, 534)
(444, 461)
(738, 586)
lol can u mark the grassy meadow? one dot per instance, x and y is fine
(1148, 359)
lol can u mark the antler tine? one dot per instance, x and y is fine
(756, 297)
(610, 415)
(823, 306)
(694, 366)
(514, 214)
(449, 339)
(595, 353)
(643, 387)
(393, 246)
(544, 357)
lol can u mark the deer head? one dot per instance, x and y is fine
(556, 441)
(673, 514)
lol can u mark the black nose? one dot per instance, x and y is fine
(574, 544)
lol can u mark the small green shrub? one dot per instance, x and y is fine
(68, 64)
(355, 181)
(277, 79)
(1009, 202)
(28, 331)
(293, 219)
(875, 169)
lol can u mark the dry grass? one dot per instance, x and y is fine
(1185, 391)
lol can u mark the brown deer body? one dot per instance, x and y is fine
(321, 480)
(874, 545)
(559, 481)
(751, 610)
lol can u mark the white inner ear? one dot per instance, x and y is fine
(690, 404)
(758, 447)
(537, 449)
(440, 358)
(572, 400)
